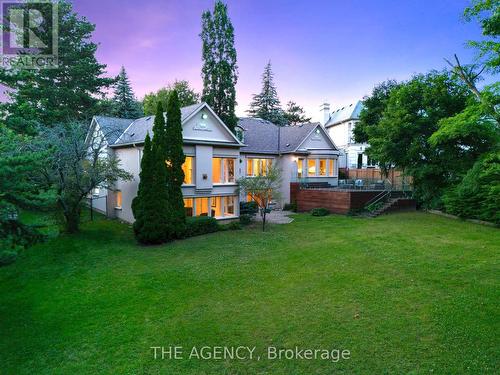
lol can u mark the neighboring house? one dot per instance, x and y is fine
(302, 151)
(340, 125)
(215, 159)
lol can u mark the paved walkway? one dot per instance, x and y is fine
(277, 217)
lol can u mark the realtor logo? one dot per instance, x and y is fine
(29, 34)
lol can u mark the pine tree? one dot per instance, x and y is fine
(295, 114)
(124, 103)
(44, 97)
(151, 206)
(175, 158)
(219, 72)
(266, 104)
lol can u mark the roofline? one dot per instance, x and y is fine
(205, 104)
(324, 132)
(184, 141)
(341, 122)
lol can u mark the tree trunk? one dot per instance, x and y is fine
(264, 221)
(72, 221)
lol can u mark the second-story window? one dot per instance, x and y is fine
(258, 167)
(223, 170)
(187, 168)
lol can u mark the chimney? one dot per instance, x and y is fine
(325, 109)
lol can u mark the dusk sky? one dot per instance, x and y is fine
(320, 50)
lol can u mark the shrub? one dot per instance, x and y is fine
(249, 208)
(246, 219)
(321, 211)
(7, 257)
(478, 195)
(198, 225)
(290, 207)
(233, 225)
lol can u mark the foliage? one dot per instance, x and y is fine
(198, 225)
(7, 257)
(219, 71)
(246, 219)
(174, 157)
(290, 207)
(124, 103)
(249, 208)
(320, 211)
(44, 97)
(266, 105)
(478, 194)
(151, 205)
(487, 13)
(187, 96)
(413, 113)
(373, 108)
(295, 114)
(263, 189)
(76, 163)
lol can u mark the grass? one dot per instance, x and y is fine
(404, 293)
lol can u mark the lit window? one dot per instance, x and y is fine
(187, 168)
(311, 167)
(300, 167)
(258, 167)
(118, 199)
(216, 210)
(188, 206)
(229, 206)
(322, 167)
(222, 170)
(201, 206)
(216, 170)
(331, 167)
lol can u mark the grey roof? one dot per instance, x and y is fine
(112, 127)
(137, 130)
(349, 112)
(261, 136)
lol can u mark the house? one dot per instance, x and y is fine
(340, 125)
(216, 158)
(302, 151)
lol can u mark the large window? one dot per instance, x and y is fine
(331, 170)
(300, 168)
(211, 206)
(322, 167)
(201, 206)
(311, 167)
(229, 203)
(223, 170)
(187, 168)
(258, 167)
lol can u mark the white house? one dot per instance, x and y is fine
(216, 158)
(340, 125)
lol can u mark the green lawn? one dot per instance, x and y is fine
(404, 293)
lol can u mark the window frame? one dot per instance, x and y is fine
(193, 174)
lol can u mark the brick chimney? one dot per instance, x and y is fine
(325, 109)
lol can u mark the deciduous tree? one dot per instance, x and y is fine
(187, 96)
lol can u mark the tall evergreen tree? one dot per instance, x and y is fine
(219, 72)
(69, 92)
(266, 104)
(175, 158)
(151, 207)
(124, 103)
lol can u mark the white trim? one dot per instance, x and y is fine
(325, 133)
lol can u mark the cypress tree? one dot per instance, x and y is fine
(219, 71)
(175, 158)
(151, 206)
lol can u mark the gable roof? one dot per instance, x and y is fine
(134, 131)
(264, 137)
(349, 112)
(112, 127)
